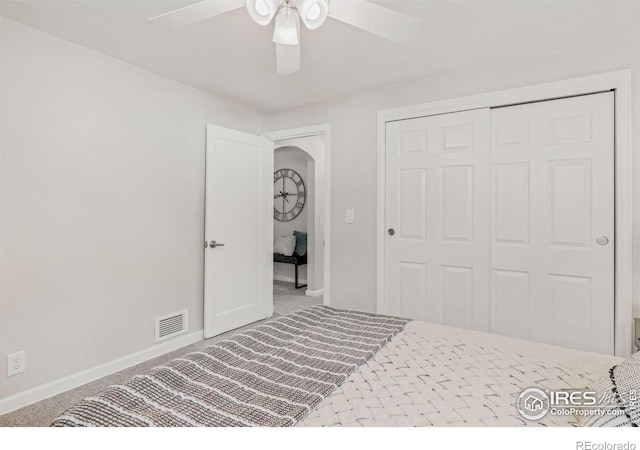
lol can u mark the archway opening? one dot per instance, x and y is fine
(299, 161)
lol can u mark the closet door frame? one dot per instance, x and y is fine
(620, 83)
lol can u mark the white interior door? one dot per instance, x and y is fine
(238, 222)
(552, 238)
(437, 194)
(503, 220)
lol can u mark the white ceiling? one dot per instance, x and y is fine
(232, 57)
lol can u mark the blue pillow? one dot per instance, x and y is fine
(301, 243)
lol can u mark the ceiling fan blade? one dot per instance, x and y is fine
(194, 13)
(287, 58)
(376, 19)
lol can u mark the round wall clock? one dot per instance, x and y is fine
(289, 195)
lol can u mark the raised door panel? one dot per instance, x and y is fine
(458, 138)
(570, 202)
(510, 303)
(412, 141)
(457, 296)
(571, 129)
(412, 204)
(511, 203)
(510, 134)
(412, 292)
(457, 203)
(571, 319)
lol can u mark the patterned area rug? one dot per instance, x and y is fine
(271, 375)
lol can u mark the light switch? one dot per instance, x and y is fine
(350, 216)
(321, 219)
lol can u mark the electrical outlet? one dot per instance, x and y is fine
(16, 363)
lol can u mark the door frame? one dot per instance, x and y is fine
(323, 129)
(617, 81)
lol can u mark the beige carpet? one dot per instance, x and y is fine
(286, 299)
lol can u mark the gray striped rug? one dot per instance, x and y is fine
(270, 375)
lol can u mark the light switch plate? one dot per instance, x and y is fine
(350, 216)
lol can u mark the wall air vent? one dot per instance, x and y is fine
(171, 325)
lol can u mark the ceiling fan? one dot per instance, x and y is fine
(362, 14)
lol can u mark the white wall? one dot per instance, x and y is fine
(354, 141)
(291, 158)
(101, 203)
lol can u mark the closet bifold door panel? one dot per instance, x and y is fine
(437, 219)
(552, 234)
(502, 220)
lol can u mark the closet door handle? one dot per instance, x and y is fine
(214, 244)
(391, 231)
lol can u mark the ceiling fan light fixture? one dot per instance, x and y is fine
(287, 27)
(262, 11)
(313, 12)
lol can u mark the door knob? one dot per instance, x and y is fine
(391, 231)
(214, 244)
(602, 240)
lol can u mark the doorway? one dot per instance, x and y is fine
(299, 217)
(238, 254)
(304, 151)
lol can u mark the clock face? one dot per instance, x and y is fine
(289, 195)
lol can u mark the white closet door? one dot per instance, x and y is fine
(437, 197)
(502, 220)
(552, 236)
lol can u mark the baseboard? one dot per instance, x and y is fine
(316, 293)
(289, 279)
(56, 387)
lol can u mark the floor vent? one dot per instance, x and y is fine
(171, 325)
